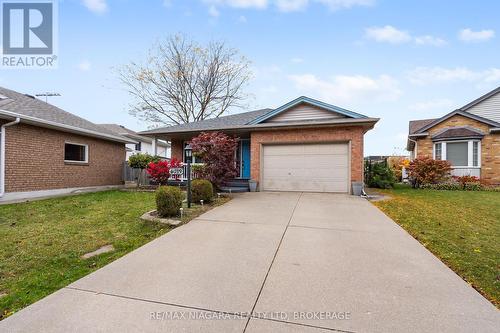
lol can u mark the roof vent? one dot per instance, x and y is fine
(30, 96)
(2, 97)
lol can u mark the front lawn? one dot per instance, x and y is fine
(42, 242)
(461, 228)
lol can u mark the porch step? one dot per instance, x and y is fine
(237, 183)
(233, 189)
(235, 186)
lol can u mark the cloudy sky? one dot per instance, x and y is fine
(395, 60)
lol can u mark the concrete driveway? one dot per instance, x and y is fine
(271, 262)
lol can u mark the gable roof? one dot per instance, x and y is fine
(34, 111)
(415, 125)
(231, 121)
(123, 131)
(454, 113)
(480, 99)
(254, 120)
(304, 99)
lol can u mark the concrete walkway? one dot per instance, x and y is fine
(296, 262)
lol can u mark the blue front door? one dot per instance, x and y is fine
(245, 158)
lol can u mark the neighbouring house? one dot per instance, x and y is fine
(144, 144)
(469, 138)
(46, 148)
(304, 145)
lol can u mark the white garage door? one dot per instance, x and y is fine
(306, 167)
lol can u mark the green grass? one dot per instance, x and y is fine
(461, 228)
(42, 242)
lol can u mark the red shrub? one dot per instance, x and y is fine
(160, 171)
(217, 150)
(464, 180)
(425, 170)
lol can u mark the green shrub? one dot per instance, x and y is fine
(140, 161)
(454, 186)
(473, 186)
(168, 201)
(201, 189)
(446, 186)
(381, 176)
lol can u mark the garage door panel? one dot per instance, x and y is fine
(306, 167)
(291, 173)
(305, 186)
(337, 149)
(304, 161)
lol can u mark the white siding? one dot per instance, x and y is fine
(489, 108)
(476, 172)
(147, 147)
(303, 112)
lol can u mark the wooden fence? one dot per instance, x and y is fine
(131, 174)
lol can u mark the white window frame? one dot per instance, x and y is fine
(434, 146)
(77, 144)
(470, 152)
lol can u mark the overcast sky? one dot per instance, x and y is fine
(388, 59)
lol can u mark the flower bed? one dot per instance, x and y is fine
(463, 183)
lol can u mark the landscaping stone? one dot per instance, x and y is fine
(378, 197)
(3, 295)
(152, 216)
(130, 184)
(104, 249)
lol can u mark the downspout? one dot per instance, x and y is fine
(2, 154)
(416, 151)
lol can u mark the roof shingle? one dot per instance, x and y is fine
(238, 119)
(30, 106)
(458, 132)
(415, 125)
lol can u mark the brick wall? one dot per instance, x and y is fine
(177, 149)
(490, 146)
(353, 134)
(35, 160)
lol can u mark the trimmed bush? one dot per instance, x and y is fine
(455, 186)
(168, 201)
(141, 161)
(446, 186)
(201, 189)
(473, 186)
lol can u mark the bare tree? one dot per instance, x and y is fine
(184, 82)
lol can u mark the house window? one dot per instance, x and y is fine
(475, 153)
(457, 153)
(460, 154)
(438, 151)
(138, 146)
(74, 152)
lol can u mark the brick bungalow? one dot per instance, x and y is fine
(469, 138)
(304, 145)
(45, 148)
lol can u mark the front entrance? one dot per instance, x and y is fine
(245, 158)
